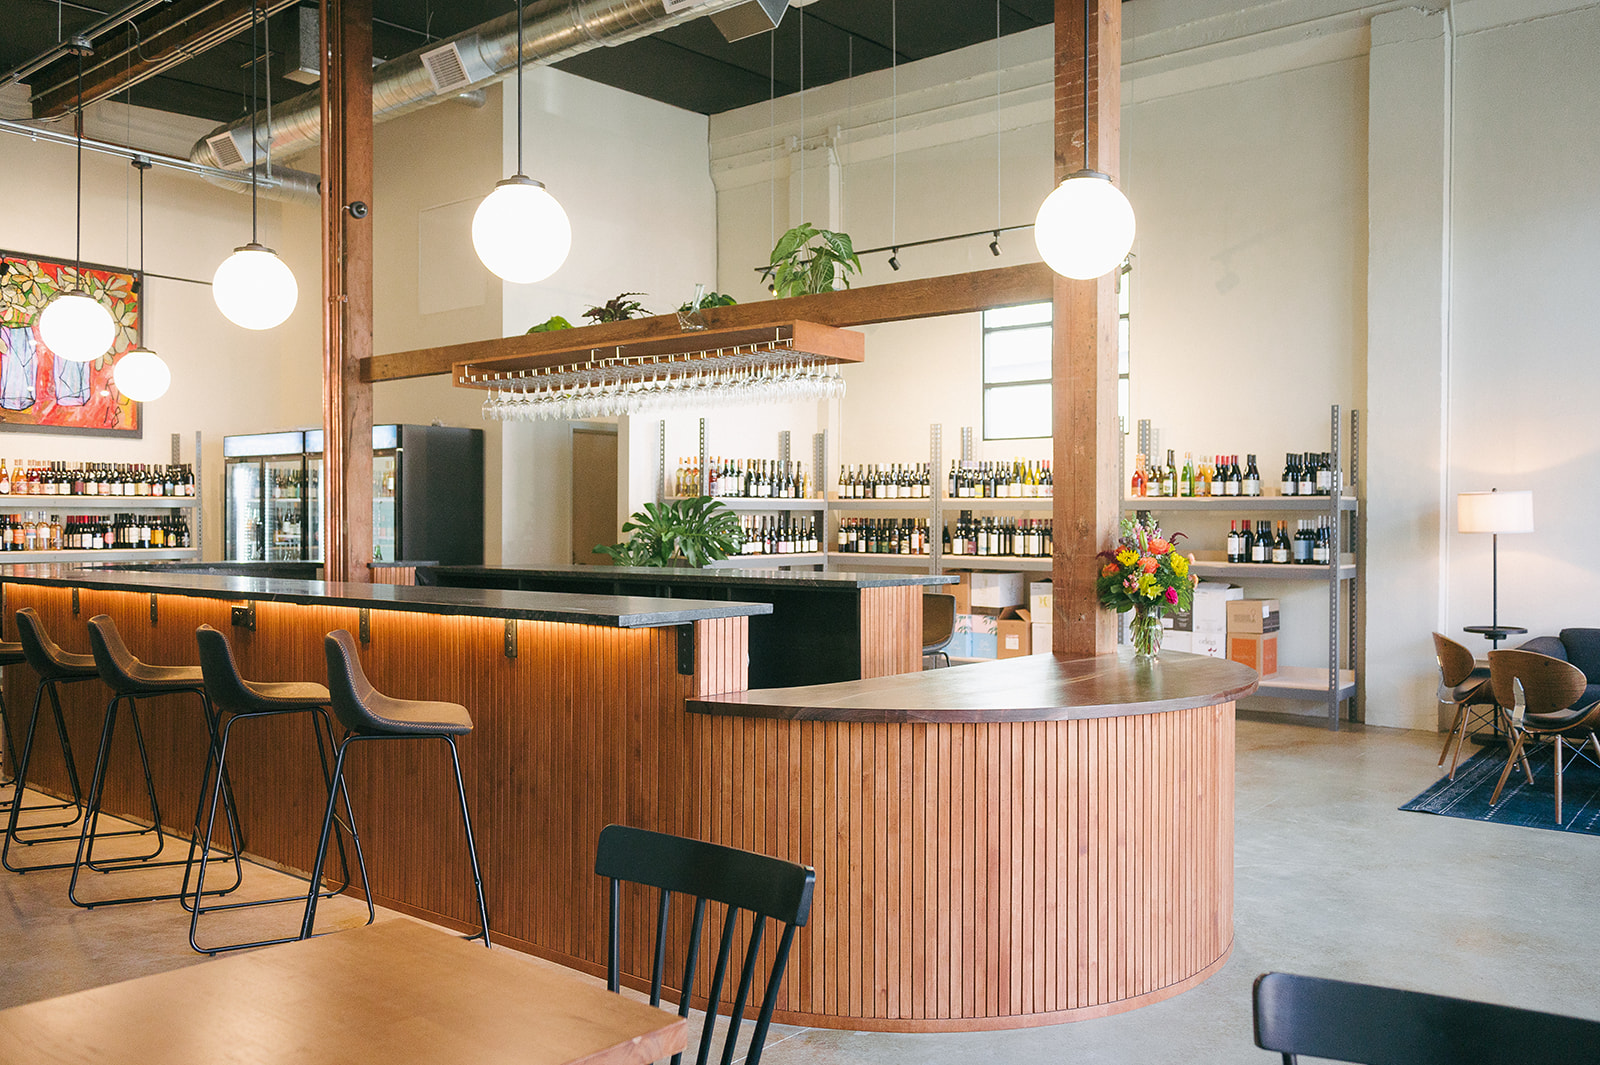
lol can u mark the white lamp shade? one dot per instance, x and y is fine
(77, 327)
(1494, 512)
(1084, 227)
(254, 288)
(520, 231)
(141, 375)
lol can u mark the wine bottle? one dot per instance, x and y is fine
(1247, 542)
(1233, 541)
(1251, 483)
(1280, 545)
(1291, 476)
(1307, 471)
(1172, 475)
(1140, 482)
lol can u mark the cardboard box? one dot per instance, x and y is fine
(1041, 633)
(1015, 633)
(1258, 650)
(999, 590)
(1039, 598)
(985, 636)
(962, 590)
(1207, 643)
(1211, 599)
(1178, 641)
(1253, 615)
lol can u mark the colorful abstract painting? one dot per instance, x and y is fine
(41, 393)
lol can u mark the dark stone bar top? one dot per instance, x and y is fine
(459, 576)
(1031, 688)
(625, 611)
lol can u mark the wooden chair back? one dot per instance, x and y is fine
(768, 888)
(1455, 661)
(1548, 684)
(1368, 1025)
(938, 621)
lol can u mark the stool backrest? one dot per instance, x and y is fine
(223, 684)
(43, 654)
(111, 656)
(348, 684)
(1455, 661)
(741, 880)
(1548, 684)
(938, 620)
(1368, 1025)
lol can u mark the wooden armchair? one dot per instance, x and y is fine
(1539, 692)
(1466, 685)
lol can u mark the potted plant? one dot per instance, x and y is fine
(618, 308)
(807, 260)
(1145, 574)
(697, 531)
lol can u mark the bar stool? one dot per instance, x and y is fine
(131, 680)
(55, 668)
(368, 714)
(245, 700)
(11, 655)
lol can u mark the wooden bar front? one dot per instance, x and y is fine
(971, 874)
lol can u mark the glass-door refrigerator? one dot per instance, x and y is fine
(265, 515)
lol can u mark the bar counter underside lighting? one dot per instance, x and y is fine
(1012, 861)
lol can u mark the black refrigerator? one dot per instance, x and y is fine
(427, 495)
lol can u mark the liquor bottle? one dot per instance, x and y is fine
(1251, 484)
(1208, 484)
(1280, 546)
(5, 479)
(1140, 482)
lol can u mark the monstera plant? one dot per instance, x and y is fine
(697, 531)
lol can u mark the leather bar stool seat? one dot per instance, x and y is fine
(368, 714)
(237, 699)
(131, 679)
(55, 666)
(10, 655)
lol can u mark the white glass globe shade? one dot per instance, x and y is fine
(520, 231)
(254, 288)
(77, 327)
(1084, 227)
(141, 375)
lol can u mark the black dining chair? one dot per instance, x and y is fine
(767, 888)
(1365, 1025)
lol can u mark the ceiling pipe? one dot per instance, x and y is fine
(99, 29)
(553, 30)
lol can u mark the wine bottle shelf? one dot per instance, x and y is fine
(1305, 682)
(1250, 504)
(1271, 571)
(1026, 563)
(97, 504)
(153, 554)
(745, 504)
(1038, 504)
(917, 505)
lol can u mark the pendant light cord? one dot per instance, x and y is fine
(519, 86)
(255, 11)
(1086, 85)
(77, 264)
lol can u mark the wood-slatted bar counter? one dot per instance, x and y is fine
(823, 627)
(1021, 842)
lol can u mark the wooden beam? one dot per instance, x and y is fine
(347, 287)
(899, 301)
(164, 38)
(1088, 488)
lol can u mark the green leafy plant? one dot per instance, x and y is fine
(807, 260)
(710, 299)
(550, 325)
(618, 308)
(697, 530)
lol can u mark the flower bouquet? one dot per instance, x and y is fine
(1145, 574)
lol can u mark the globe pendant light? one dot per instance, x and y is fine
(254, 288)
(75, 326)
(1085, 227)
(519, 230)
(141, 375)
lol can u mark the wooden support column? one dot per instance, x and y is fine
(347, 287)
(1088, 489)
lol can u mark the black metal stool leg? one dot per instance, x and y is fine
(13, 826)
(230, 811)
(335, 786)
(472, 847)
(322, 724)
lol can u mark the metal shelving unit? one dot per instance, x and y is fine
(71, 504)
(1336, 682)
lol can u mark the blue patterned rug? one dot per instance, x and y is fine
(1529, 805)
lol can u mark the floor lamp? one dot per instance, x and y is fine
(1495, 512)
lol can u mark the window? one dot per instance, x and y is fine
(1016, 372)
(1016, 366)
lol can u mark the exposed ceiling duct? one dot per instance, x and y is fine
(553, 30)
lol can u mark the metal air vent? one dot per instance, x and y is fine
(451, 69)
(226, 150)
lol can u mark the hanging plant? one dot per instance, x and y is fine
(807, 261)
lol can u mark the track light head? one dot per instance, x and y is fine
(994, 245)
(894, 259)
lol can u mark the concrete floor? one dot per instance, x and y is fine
(1332, 880)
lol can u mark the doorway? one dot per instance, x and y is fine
(594, 492)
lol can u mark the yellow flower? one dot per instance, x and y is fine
(1147, 585)
(1127, 556)
(1180, 565)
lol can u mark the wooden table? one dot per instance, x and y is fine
(393, 993)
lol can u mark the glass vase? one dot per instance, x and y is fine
(1144, 632)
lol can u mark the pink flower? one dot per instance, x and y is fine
(1172, 595)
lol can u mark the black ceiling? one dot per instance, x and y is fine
(688, 66)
